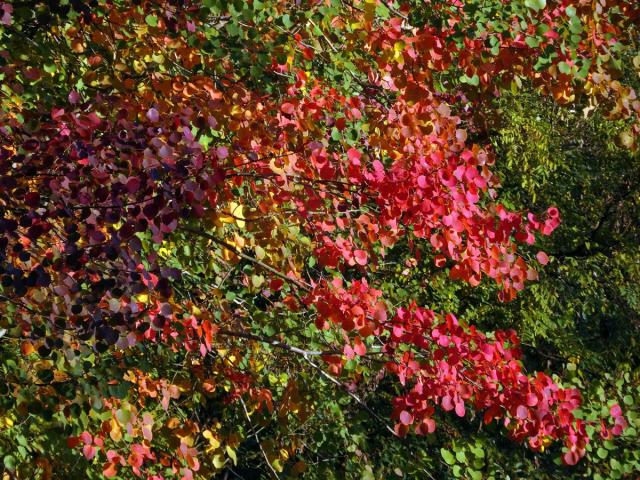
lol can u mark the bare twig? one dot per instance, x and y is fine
(255, 435)
(344, 387)
(276, 343)
(249, 258)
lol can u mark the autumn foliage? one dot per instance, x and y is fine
(141, 139)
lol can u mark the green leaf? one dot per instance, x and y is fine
(50, 68)
(286, 21)
(447, 456)
(564, 68)
(475, 475)
(615, 464)
(10, 462)
(151, 20)
(584, 70)
(233, 29)
(367, 474)
(533, 42)
(475, 80)
(536, 4)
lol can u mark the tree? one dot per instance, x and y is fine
(201, 203)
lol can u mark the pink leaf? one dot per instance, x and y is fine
(359, 347)
(89, 451)
(447, 404)
(361, 257)
(615, 410)
(521, 412)
(348, 352)
(542, 257)
(153, 115)
(406, 418)
(287, 108)
(354, 156)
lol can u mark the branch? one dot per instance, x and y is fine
(276, 343)
(337, 382)
(306, 354)
(249, 258)
(255, 435)
(394, 10)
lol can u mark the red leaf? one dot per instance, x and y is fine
(73, 442)
(428, 425)
(287, 108)
(86, 438)
(109, 470)
(440, 261)
(571, 457)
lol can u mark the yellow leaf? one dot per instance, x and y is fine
(398, 48)
(284, 454)
(116, 431)
(138, 66)
(213, 440)
(143, 298)
(257, 280)
(274, 169)
(232, 454)
(260, 253)
(237, 213)
(239, 241)
(218, 461)
(277, 465)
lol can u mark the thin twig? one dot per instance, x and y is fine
(276, 343)
(255, 435)
(337, 382)
(249, 258)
